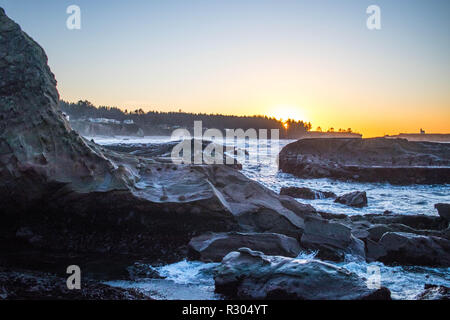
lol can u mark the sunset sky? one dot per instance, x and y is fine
(313, 60)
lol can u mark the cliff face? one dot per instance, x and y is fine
(37, 146)
(59, 191)
(397, 161)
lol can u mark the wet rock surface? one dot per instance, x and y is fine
(354, 199)
(212, 247)
(433, 292)
(201, 149)
(397, 161)
(246, 274)
(306, 193)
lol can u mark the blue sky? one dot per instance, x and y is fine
(315, 60)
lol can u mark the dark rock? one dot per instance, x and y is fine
(374, 251)
(412, 249)
(247, 274)
(332, 240)
(434, 292)
(164, 150)
(397, 161)
(28, 285)
(212, 247)
(75, 196)
(354, 199)
(306, 193)
(443, 210)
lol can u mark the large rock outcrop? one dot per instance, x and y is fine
(247, 274)
(397, 161)
(60, 191)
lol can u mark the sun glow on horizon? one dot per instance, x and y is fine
(286, 112)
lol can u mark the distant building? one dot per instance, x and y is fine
(104, 120)
(422, 131)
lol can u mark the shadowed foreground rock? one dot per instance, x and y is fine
(331, 240)
(397, 161)
(62, 192)
(247, 274)
(443, 210)
(40, 286)
(212, 247)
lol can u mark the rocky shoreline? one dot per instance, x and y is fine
(64, 195)
(397, 161)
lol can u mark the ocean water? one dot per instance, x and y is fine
(195, 280)
(412, 199)
(192, 280)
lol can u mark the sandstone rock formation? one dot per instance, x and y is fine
(246, 274)
(306, 193)
(62, 192)
(212, 247)
(397, 161)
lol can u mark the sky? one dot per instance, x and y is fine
(313, 60)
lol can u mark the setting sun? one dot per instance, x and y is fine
(285, 112)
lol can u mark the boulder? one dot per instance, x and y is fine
(412, 249)
(212, 247)
(354, 199)
(397, 161)
(443, 210)
(306, 193)
(62, 192)
(332, 240)
(434, 292)
(247, 274)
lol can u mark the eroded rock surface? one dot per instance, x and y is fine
(331, 240)
(397, 161)
(62, 192)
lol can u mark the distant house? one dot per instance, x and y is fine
(104, 120)
(128, 121)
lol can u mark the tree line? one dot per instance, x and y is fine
(84, 109)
